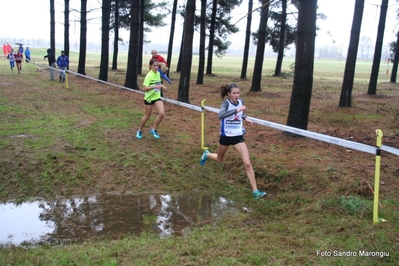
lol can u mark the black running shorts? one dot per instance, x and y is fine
(152, 102)
(227, 141)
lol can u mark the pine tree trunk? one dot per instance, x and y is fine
(201, 63)
(349, 74)
(298, 114)
(171, 36)
(134, 43)
(211, 39)
(260, 50)
(378, 49)
(184, 84)
(247, 41)
(52, 26)
(66, 29)
(83, 38)
(280, 56)
(116, 37)
(106, 8)
(395, 60)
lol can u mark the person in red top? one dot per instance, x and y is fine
(5, 50)
(161, 61)
(8, 48)
(18, 60)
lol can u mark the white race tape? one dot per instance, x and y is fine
(325, 138)
(390, 149)
(187, 105)
(329, 139)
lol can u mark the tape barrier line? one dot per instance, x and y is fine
(91, 78)
(309, 134)
(390, 149)
(321, 137)
(187, 105)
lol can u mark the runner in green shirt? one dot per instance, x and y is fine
(152, 97)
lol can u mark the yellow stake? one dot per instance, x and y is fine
(203, 125)
(377, 177)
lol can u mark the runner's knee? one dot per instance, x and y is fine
(247, 164)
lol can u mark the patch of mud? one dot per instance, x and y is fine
(109, 216)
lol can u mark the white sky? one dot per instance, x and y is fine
(31, 21)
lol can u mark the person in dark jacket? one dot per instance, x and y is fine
(62, 63)
(27, 55)
(51, 62)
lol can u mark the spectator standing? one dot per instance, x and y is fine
(27, 55)
(8, 48)
(162, 62)
(5, 50)
(21, 49)
(51, 62)
(62, 62)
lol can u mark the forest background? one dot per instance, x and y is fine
(333, 32)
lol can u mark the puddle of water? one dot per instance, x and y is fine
(106, 216)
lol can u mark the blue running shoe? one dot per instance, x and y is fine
(154, 133)
(204, 157)
(259, 194)
(139, 135)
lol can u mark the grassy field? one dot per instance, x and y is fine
(58, 142)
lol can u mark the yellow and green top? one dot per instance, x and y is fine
(152, 79)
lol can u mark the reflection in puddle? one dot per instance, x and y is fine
(106, 216)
